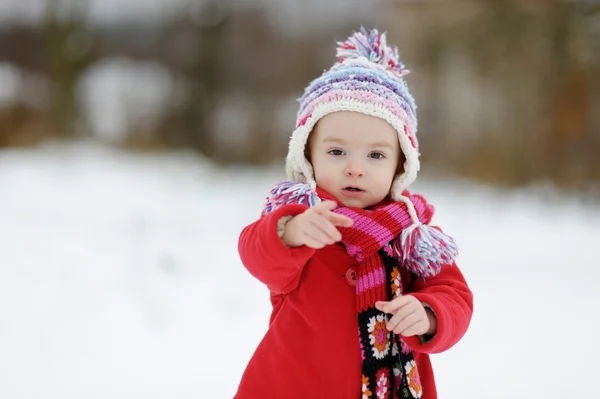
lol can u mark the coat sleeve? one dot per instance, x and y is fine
(267, 258)
(451, 300)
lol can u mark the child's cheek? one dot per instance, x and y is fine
(325, 180)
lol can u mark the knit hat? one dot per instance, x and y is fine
(368, 78)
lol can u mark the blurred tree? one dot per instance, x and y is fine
(568, 141)
(197, 60)
(520, 77)
(68, 45)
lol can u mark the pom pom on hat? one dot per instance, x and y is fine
(373, 46)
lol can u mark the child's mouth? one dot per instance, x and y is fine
(353, 189)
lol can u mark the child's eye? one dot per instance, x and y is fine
(376, 155)
(336, 152)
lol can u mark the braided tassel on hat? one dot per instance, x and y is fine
(423, 249)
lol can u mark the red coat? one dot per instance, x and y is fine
(311, 348)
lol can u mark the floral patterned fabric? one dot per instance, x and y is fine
(389, 369)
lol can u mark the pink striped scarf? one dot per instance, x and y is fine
(388, 366)
(372, 231)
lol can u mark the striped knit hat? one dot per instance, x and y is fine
(368, 79)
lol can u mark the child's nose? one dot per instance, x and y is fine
(355, 169)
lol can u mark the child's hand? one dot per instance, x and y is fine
(409, 316)
(315, 227)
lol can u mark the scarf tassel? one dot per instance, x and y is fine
(289, 192)
(424, 249)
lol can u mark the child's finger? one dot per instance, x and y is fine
(415, 329)
(396, 304)
(327, 228)
(324, 207)
(340, 220)
(319, 235)
(312, 243)
(408, 327)
(313, 240)
(404, 316)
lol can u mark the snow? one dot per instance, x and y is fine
(120, 278)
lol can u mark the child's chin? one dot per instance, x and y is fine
(355, 203)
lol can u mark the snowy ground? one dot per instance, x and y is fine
(119, 278)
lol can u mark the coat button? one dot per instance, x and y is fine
(351, 276)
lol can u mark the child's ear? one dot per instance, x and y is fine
(307, 152)
(401, 161)
(308, 145)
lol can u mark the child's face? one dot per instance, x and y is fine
(355, 157)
